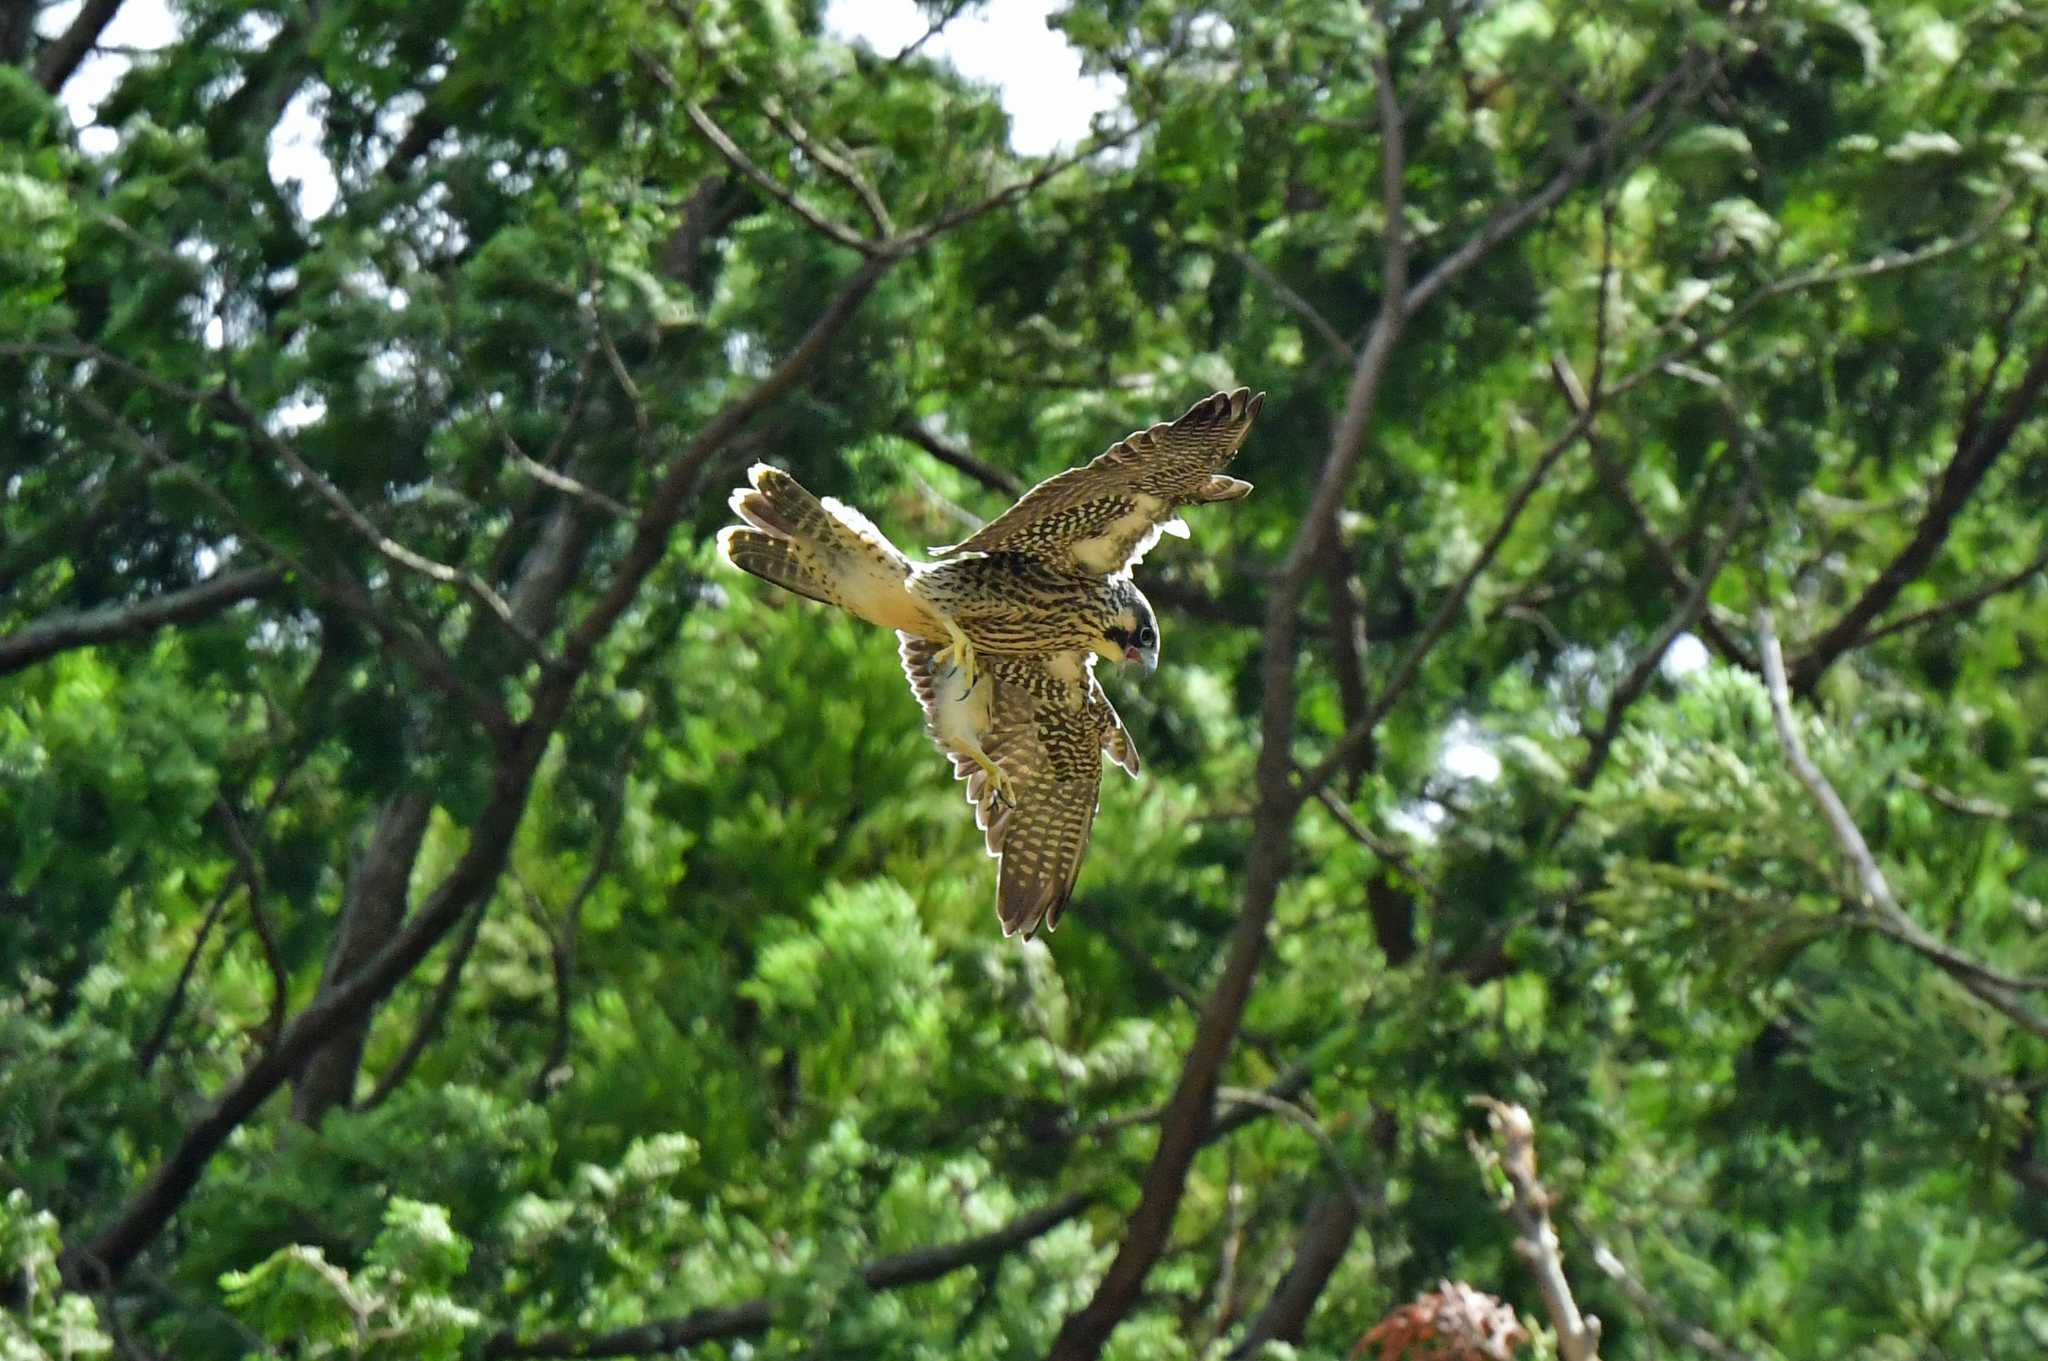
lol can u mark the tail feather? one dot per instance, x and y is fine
(820, 549)
(771, 559)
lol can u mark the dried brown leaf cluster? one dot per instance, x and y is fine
(1454, 1322)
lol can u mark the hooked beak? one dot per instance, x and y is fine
(1149, 659)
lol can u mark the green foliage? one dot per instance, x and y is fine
(44, 1321)
(735, 1022)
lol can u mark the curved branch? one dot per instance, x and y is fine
(755, 1316)
(53, 634)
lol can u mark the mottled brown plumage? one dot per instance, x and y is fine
(1046, 723)
(1100, 518)
(999, 639)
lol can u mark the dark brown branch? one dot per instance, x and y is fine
(1189, 1112)
(1965, 603)
(1326, 1233)
(109, 1252)
(1347, 650)
(990, 476)
(152, 1048)
(61, 59)
(1959, 481)
(1512, 218)
(755, 1316)
(436, 1015)
(259, 916)
(372, 908)
(1294, 302)
(1690, 610)
(1358, 734)
(769, 185)
(113, 623)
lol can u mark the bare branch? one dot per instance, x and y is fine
(1682, 78)
(990, 476)
(259, 916)
(768, 184)
(1295, 1112)
(387, 547)
(1189, 1112)
(1686, 1331)
(1965, 603)
(755, 1316)
(435, 1016)
(423, 653)
(1010, 193)
(1294, 302)
(836, 165)
(1358, 734)
(1691, 609)
(1661, 552)
(59, 633)
(110, 1251)
(71, 47)
(1528, 1205)
(1886, 917)
(1959, 481)
(152, 1048)
(1326, 1233)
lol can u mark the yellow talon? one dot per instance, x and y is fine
(1006, 790)
(960, 653)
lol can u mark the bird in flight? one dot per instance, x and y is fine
(1000, 635)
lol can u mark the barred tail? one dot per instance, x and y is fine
(821, 549)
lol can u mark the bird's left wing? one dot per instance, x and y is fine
(1046, 723)
(1101, 517)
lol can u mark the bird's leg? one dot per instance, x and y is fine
(1005, 789)
(961, 653)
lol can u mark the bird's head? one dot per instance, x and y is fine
(1132, 633)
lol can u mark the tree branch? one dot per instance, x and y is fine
(113, 623)
(1958, 482)
(1528, 1203)
(1691, 1334)
(768, 184)
(62, 58)
(1885, 916)
(994, 478)
(109, 1252)
(1326, 1233)
(1189, 1111)
(1512, 218)
(755, 1316)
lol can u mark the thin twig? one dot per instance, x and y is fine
(755, 1316)
(1293, 300)
(259, 918)
(768, 184)
(1669, 1319)
(838, 166)
(990, 476)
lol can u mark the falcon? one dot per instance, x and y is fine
(999, 636)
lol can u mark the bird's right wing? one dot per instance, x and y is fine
(1101, 517)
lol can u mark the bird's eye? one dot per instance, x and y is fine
(1145, 637)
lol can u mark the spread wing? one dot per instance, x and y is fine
(1046, 722)
(1101, 517)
